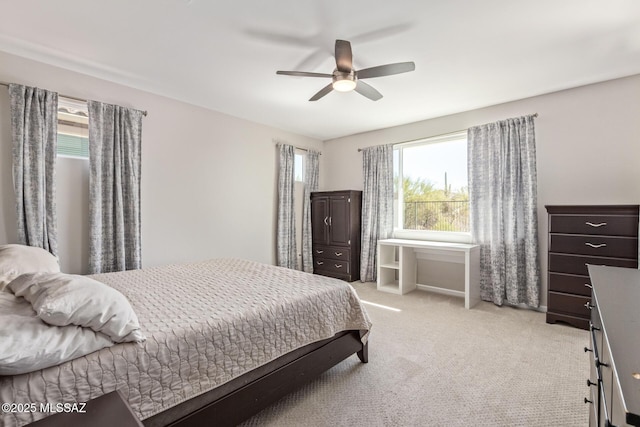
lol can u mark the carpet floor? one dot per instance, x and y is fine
(433, 363)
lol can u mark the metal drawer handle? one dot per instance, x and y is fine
(590, 383)
(588, 286)
(589, 306)
(338, 253)
(596, 246)
(596, 225)
(319, 251)
(338, 265)
(587, 400)
(319, 262)
(325, 220)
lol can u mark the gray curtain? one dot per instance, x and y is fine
(115, 135)
(503, 204)
(286, 236)
(377, 205)
(311, 176)
(34, 125)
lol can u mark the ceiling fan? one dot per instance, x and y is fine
(345, 78)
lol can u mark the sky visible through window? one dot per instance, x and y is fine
(431, 161)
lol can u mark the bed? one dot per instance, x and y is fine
(224, 339)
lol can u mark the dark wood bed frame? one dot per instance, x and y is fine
(245, 396)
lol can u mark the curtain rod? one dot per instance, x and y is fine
(297, 148)
(67, 96)
(434, 136)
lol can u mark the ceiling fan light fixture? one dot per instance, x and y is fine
(344, 83)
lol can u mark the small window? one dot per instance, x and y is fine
(73, 128)
(431, 186)
(298, 167)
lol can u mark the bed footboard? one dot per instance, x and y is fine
(248, 397)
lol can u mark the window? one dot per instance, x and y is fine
(431, 188)
(73, 128)
(298, 167)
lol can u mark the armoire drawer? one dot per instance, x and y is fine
(577, 264)
(617, 247)
(332, 252)
(573, 305)
(570, 284)
(603, 225)
(331, 265)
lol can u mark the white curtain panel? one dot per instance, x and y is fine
(311, 177)
(34, 128)
(377, 206)
(115, 137)
(286, 233)
(503, 204)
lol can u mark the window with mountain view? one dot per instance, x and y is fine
(431, 186)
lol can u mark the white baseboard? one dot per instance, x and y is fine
(460, 294)
(439, 290)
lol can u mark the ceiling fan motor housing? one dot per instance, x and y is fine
(343, 81)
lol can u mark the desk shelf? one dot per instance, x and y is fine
(397, 264)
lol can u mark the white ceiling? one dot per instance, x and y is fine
(223, 54)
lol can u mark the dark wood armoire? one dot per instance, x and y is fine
(335, 227)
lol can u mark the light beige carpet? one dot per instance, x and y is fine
(433, 363)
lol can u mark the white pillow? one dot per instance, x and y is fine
(65, 299)
(29, 344)
(19, 259)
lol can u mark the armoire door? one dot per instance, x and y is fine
(320, 220)
(339, 223)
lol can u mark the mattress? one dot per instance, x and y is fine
(206, 323)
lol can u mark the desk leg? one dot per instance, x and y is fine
(472, 278)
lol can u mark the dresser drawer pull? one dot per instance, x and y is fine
(590, 383)
(319, 262)
(588, 286)
(601, 224)
(319, 251)
(587, 349)
(587, 400)
(592, 245)
(589, 306)
(338, 253)
(338, 265)
(599, 363)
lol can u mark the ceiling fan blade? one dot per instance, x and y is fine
(364, 89)
(344, 57)
(386, 70)
(325, 90)
(302, 74)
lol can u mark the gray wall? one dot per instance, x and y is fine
(588, 146)
(208, 179)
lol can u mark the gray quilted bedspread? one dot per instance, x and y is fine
(206, 323)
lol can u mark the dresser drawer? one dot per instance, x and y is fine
(577, 264)
(570, 284)
(332, 252)
(331, 266)
(607, 225)
(573, 305)
(617, 247)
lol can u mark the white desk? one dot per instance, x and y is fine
(397, 265)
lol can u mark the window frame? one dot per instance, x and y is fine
(298, 155)
(70, 108)
(402, 233)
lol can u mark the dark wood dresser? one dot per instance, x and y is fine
(614, 380)
(335, 229)
(581, 235)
